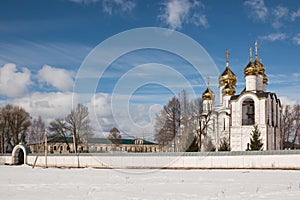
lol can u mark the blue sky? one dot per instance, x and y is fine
(43, 44)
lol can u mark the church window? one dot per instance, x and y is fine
(248, 112)
(224, 124)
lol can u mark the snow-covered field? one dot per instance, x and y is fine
(23, 182)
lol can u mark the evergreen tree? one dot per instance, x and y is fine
(255, 140)
(193, 146)
(224, 146)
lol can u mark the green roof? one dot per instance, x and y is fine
(96, 140)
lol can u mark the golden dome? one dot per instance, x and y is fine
(227, 77)
(228, 90)
(265, 79)
(250, 69)
(260, 67)
(208, 95)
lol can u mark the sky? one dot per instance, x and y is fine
(47, 45)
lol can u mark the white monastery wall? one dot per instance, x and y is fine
(285, 161)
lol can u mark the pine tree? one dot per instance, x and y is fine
(224, 146)
(255, 140)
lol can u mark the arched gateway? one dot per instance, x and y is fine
(19, 154)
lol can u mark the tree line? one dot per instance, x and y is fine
(181, 125)
(17, 126)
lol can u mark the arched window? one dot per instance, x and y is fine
(248, 111)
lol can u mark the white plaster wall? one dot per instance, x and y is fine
(243, 161)
(251, 83)
(259, 83)
(5, 159)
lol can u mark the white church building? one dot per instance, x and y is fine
(233, 119)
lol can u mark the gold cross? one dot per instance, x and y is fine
(256, 50)
(227, 55)
(207, 80)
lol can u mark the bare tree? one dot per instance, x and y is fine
(14, 123)
(78, 123)
(115, 136)
(36, 131)
(296, 128)
(59, 129)
(201, 122)
(163, 135)
(170, 120)
(290, 126)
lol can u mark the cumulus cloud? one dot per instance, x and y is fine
(257, 9)
(56, 77)
(274, 37)
(14, 83)
(112, 6)
(295, 15)
(279, 14)
(48, 105)
(179, 12)
(115, 6)
(296, 39)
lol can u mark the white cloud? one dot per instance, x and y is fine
(178, 12)
(115, 6)
(112, 6)
(296, 39)
(58, 78)
(13, 83)
(47, 105)
(274, 37)
(257, 9)
(295, 15)
(279, 13)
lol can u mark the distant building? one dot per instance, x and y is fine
(61, 145)
(233, 118)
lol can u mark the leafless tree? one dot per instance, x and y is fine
(170, 120)
(36, 131)
(290, 126)
(115, 136)
(201, 122)
(14, 123)
(78, 123)
(58, 128)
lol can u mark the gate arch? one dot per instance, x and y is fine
(19, 154)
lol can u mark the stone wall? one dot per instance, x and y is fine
(218, 160)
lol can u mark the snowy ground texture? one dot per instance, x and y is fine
(23, 182)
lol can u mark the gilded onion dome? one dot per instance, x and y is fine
(227, 77)
(260, 67)
(265, 79)
(258, 64)
(208, 95)
(228, 90)
(250, 69)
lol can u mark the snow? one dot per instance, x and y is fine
(24, 182)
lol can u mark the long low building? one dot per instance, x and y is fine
(65, 145)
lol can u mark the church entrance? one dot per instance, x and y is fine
(19, 155)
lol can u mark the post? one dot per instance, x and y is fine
(46, 148)
(74, 143)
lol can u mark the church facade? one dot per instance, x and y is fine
(233, 118)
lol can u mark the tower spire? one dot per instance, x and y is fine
(250, 54)
(256, 50)
(208, 82)
(227, 57)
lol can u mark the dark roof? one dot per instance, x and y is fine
(96, 140)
